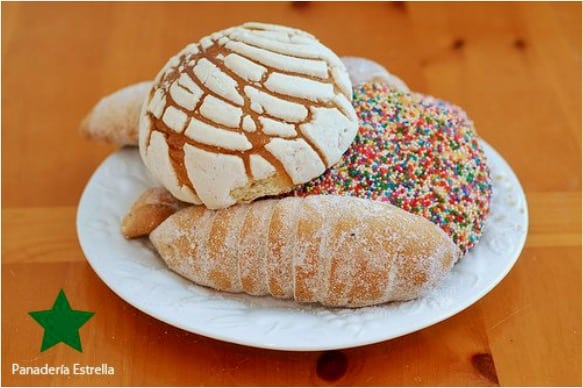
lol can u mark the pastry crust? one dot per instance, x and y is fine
(114, 119)
(149, 210)
(337, 251)
(362, 70)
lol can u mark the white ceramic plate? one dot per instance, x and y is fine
(134, 272)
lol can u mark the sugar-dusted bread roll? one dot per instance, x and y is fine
(362, 70)
(247, 112)
(337, 251)
(150, 209)
(114, 119)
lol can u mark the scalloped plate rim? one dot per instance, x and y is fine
(89, 248)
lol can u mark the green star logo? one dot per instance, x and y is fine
(61, 323)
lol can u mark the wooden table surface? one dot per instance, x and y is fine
(515, 68)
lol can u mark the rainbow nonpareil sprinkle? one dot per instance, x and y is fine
(418, 153)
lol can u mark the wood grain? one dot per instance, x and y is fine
(514, 67)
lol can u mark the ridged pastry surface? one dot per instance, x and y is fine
(248, 111)
(334, 250)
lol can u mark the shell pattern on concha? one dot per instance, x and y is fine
(248, 111)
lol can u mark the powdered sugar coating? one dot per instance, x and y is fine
(333, 250)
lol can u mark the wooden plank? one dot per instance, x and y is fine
(555, 219)
(49, 234)
(31, 235)
(555, 33)
(533, 319)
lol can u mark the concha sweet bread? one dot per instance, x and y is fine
(247, 112)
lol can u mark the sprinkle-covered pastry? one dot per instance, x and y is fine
(418, 153)
(246, 112)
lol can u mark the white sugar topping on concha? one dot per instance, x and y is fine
(247, 112)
